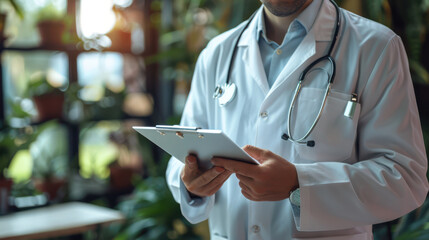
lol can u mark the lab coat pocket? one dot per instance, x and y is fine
(334, 133)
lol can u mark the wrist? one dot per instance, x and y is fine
(295, 179)
(192, 195)
(295, 194)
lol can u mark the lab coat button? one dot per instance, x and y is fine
(263, 114)
(256, 228)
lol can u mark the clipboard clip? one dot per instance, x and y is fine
(178, 129)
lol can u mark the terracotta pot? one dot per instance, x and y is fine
(5, 189)
(120, 177)
(51, 32)
(121, 40)
(51, 187)
(2, 26)
(49, 106)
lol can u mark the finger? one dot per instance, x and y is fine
(242, 168)
(245, 179)
(216, 184)
(273, 197)
(254, 191)
(207, 177)
(218, 181)
(191, 166)
(191, 162)
(256, 198)
(245, 187)
(248, 195)
(259, 195)
(191, 170)
(253, 151)
(256, 153)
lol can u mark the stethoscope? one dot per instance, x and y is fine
(226, 93)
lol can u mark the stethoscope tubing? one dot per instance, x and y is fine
(235, 47)
(319, 114)
(220, 90)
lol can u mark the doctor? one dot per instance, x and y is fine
(334, 159)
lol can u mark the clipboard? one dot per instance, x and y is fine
(179, 142)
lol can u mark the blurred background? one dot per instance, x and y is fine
(76, 75)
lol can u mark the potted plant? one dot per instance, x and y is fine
(49, 156)
(51, 25)
(128, 162)
(3, 15)
(153, 214)
(7, 151)
(45, 90)
(151, 211)
(11, 141)
(76, 110)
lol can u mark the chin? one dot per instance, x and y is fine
(284, 8)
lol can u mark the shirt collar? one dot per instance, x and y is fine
(305, 20)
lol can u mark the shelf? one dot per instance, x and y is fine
(146, 119)
(68, 48)
(74, 129)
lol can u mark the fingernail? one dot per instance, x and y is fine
(219, 169)
(190, 160)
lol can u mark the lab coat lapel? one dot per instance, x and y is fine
(302, 55)
(316, 38)
(254, 66)
(251, 56)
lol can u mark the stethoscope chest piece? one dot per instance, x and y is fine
(225, 94)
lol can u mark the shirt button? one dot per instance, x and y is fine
(279, 51)
(256, 229)
(263, 114)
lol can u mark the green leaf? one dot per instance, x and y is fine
(137, 227)
(17, 8)
(419, 73)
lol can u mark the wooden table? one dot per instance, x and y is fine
(57, 220)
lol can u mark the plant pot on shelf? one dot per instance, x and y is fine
(2, 27)
(121, 40)
(121, 177)
(49, 106)
(52, 187)
(5, 189)
(51, 32)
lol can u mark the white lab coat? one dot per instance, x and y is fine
(362, 171)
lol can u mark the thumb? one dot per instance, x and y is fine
(256, 153)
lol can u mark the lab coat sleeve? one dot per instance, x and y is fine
(194, 210)
(194, 114)
(389, 179)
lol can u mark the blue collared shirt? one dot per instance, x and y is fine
(275, 57)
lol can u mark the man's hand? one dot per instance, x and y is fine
(202, 183)
(272, 180)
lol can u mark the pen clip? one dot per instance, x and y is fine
(354, 97)
(351, 106)
(176, 128)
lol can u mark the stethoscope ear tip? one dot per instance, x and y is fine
(285, 137)
(310, 143)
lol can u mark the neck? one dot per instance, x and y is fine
(276, 27)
